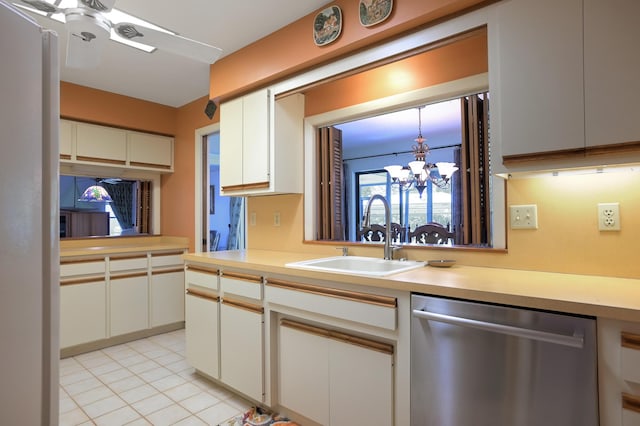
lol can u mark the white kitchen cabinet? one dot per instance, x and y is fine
(166, 296)
(242, 347)
(109, 146)
(303, 358)
(611, 63)
(166, 292)
(150, 151)
(67, 136)
(261, 144)
(618, 372)
(539, 74)
(352, 377)
(129, 303)
(83, 316)
(201, 331)
(101, 144)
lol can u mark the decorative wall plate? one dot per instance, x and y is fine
(373, 12)
(327, 25)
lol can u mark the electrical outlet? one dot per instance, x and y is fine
(276, 218)
(524, 216)
(608, 216)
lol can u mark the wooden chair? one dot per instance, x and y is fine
(376, 233)
(431, 233)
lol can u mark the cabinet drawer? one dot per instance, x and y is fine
(241, 285)
(127, 263)
(81, 267)
(630, 357)
(201, 277)
(365, 308)
(166, 259)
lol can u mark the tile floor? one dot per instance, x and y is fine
(145, 382)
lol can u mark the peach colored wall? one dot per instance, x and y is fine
(100, 107)
(463, 58)
(292, 49)
(178, 196)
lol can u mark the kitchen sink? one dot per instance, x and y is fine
(357, 265)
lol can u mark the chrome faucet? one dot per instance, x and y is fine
(388, 250)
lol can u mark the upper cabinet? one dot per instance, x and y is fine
(150, 151)
(539, 72)
(261, 143)
(566, 84)
(84, 143)
(611, 63)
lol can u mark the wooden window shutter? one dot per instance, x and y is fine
(474, 161)
(330, 181)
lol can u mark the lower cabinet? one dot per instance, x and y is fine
(619, 372)
(201, 331)
(129, 303)
(334, 378)
(167, 297)
(242, 347)
(83, 316)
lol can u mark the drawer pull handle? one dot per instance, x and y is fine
(167, 271)
(630, 340)
(631, 402)
(244, 277)
(339, 336)
(202, 294)
(202, 269)
(372, 299)
(242, 305)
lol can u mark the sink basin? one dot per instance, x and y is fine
(357, 265)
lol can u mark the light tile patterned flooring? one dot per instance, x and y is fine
(145, 382)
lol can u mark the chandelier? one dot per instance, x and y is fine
(419, 172)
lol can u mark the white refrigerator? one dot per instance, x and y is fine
(29, 221)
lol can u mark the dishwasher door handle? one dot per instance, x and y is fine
(575, 341)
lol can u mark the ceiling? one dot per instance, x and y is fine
(173, 80)
(170, 79)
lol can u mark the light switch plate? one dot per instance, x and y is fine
(524, 216)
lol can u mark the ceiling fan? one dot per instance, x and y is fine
(89, 27)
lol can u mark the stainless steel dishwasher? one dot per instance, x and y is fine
(476, 364)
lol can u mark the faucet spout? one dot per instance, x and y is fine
(388, 251)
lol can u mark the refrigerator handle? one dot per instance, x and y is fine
(575, 341)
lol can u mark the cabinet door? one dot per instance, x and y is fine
(361, 385)
(303, 368)
(167, 297)
(150, 151)
(201, 333)
(257, 110)
(83, 316)
(242, 348)
(611, 63)
(231, 136)
(67, 131)
(101, 144)
(539, 76)
(129, 307)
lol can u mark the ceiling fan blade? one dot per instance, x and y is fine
(42, 6)
(169, 42)
(87, 34)
(98, 5)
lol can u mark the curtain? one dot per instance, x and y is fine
(330, 181)
(236, 207)
(122, 205)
